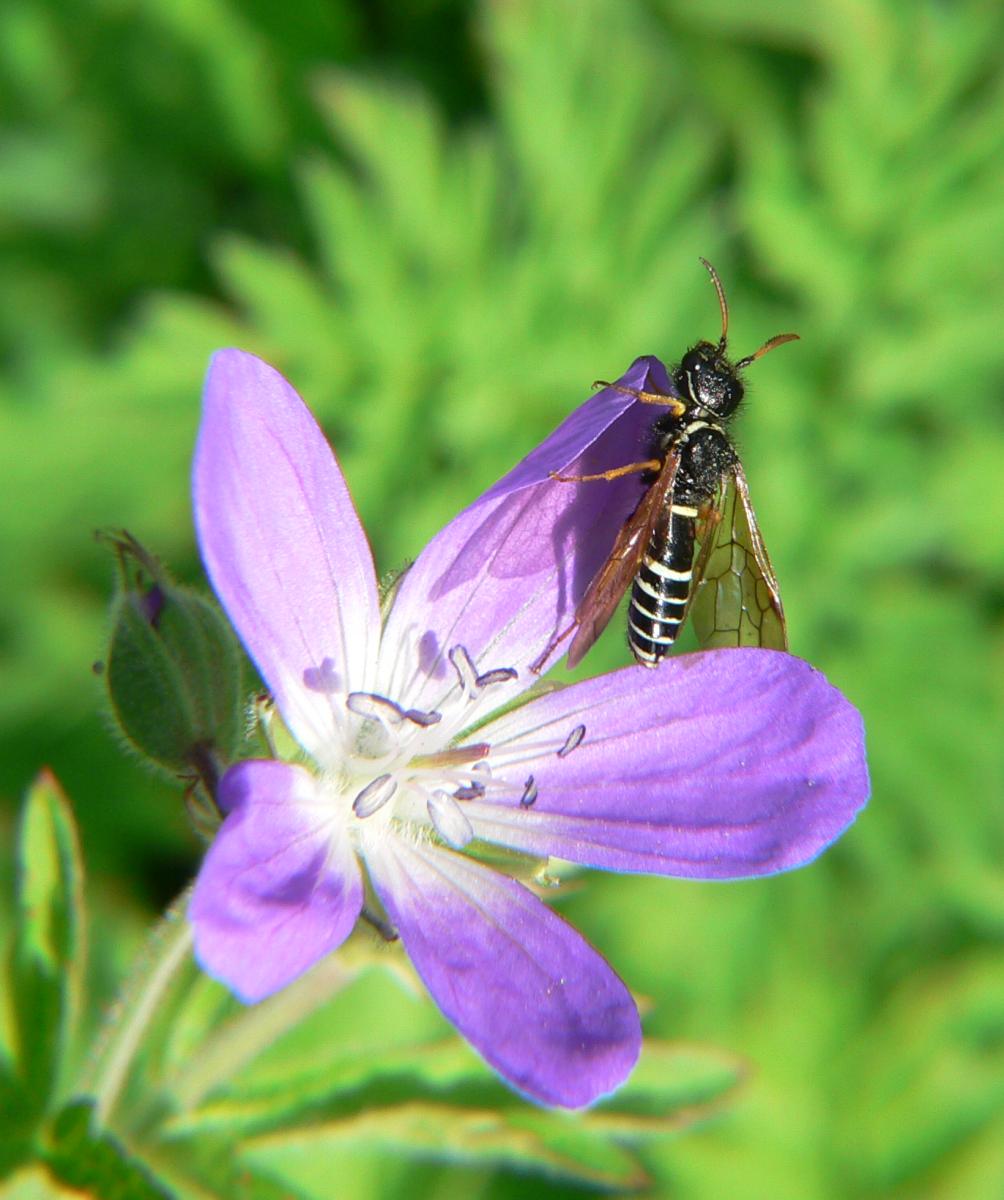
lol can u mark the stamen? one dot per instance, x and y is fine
(458, 756)
(450, 820)
(573, 740)
(499, 675)
(375, 708)
(529, 794)
(425, 719)
(374, 796)
(467, 672)
(471, 791)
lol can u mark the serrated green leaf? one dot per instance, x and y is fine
(207, 1168)
(47, 962)
(84, 1157)
(674, 1077)
(677, 1087)
(466, 1136)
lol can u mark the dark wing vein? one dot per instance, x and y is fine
(735, 596)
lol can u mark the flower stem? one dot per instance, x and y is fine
(167, 951)
(254, 1029)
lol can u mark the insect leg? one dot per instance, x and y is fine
(538, 663)
(650, 464)
(676, 407)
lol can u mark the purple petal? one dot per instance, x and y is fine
(506, 575)
(280, 885)
(587, 423)
(720, 765)
(282, 542)
(521, 985)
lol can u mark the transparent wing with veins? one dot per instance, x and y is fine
(735, 600)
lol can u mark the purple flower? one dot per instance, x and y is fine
(717, 766)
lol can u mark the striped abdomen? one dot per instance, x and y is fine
(662, 586)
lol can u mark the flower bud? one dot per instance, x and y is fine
(174, 669)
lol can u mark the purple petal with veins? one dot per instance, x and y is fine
(521, 985)
(587, 424)
(504, 576)
(719, 765)
(280, 886)
(282, 543)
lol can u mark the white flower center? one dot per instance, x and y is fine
(406, 766)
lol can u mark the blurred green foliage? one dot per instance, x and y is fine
(442, 221)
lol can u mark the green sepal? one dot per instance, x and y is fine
(174, 669)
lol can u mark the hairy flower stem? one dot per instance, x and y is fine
(230, 1047)
(253, 1030)
(167, 951)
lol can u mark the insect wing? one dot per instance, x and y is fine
(735, 599)
(611, 581)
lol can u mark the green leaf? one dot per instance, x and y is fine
(48, 955)
(85, 1157)
(208, 1168)
(435, 1099)
(674, 1088)
(35, 1183)
(17, 1142)
(547, 1144)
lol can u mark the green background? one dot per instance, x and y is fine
(442, 221)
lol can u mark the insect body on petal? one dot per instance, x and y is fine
(696, 494)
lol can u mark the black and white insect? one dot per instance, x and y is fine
(696, 495)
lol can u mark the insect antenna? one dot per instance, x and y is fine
(722, 303)
(777, 340)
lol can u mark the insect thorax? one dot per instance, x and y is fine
(706, 454)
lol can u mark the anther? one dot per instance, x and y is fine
(374, 796)
(467, 672)
(425, 719)
(450, 820)
(374, 708)
(529, 794)
(573, 740)
(471, 791)
(499, 675)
